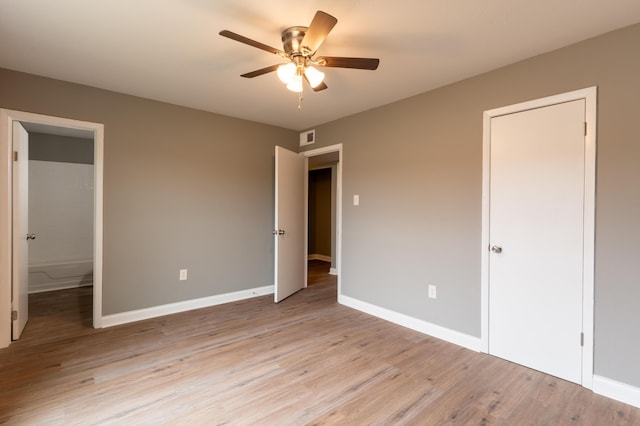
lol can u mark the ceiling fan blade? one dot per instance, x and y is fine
(319, 87)
(261, 71)
(245, 40)
(318, 30)
(342, 62)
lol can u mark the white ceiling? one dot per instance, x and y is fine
(170, 50)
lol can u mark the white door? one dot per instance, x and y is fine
(537, 175)
(20, 287)
(290, 233)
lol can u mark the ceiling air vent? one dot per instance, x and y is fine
(308, 137)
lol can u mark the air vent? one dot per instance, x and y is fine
(308, 137)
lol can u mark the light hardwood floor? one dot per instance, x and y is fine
(306, 360)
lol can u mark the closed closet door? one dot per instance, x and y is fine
(537, 175)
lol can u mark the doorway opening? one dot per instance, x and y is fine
(66, 163)
(60, 218)
(324, 188)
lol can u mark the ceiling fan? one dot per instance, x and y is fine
(300, 45)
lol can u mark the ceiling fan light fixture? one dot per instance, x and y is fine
(300, 44)
(295, 85)
(287, 72)
(314, 76)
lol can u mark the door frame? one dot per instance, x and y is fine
(590, 96)
(7, 117)
(338, 228)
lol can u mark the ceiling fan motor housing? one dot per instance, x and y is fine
(292, 39)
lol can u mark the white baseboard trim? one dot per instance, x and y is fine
(616, 390)
(421, 326)
(187, 305)
(319, 257)
(41, 288)
(333, 271)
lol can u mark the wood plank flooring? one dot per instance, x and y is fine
(306, 360)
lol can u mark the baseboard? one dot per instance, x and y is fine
(41, 288)
(174, 308)
(59, 275)
(333, 271)
(616, 390)
(319, 257)
(451, 336)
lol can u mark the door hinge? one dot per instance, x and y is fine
(14, 315)
(15, 155)
(581, 339)
(585, 128)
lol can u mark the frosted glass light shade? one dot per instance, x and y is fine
(286, 72)
(295, 85)
(314, 76)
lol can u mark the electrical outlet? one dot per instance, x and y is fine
(356, 200)
(432, 291)
(183, 274)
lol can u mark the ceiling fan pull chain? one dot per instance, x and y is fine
(300, 100)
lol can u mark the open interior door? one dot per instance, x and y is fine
(20, 280)
(290, 233)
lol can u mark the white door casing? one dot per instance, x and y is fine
(538, 207)
(7, 118)
(20, 282)
(290, 231)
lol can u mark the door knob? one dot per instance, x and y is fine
(31, 237)
(496, 249)
(278, 232)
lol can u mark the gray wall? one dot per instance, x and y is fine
(64, 149)
(185, 188)
(182, 189)
(320, 212)
(417, 166)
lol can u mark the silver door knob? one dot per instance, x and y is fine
(281, 232)
(496, 249)
(31, 237)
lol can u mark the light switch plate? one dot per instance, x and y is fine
(432, 291)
